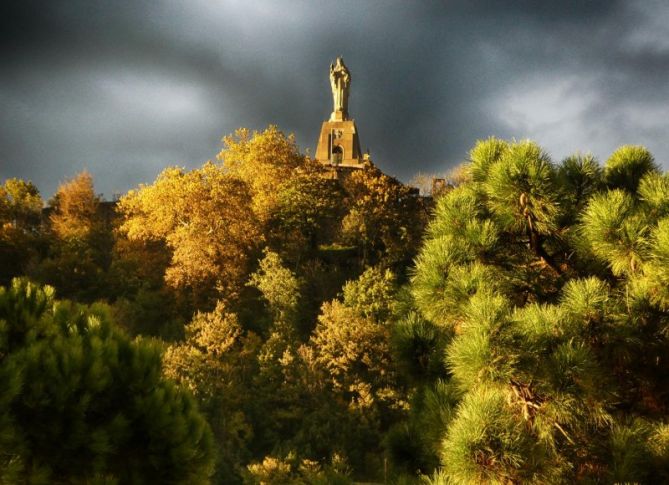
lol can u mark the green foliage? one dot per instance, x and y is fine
(80, 243)
(415, 445)
(437, 295)
(85, 401)
(384, 218)
(418, 346)
(482, 353)
(454, 210)
(308, 212)
(350, 352)
(487, 443)
(639, 452)
(654, 192)
(580, 176)
(615, 232)
(20, 203)
(626, 167)
(372, 294)
(278, 285)
(555, 328)
(216, 362)
(292, 471)
(585, 303)
(352, 338)
(20, 217)
(354, 351)
(530, 344)
(630, 457)
(484, 154)
(521, 189)
(657, 276)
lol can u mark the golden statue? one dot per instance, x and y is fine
(340, 80)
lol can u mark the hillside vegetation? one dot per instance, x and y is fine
(260, 320)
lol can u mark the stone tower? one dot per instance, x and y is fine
(338, 143)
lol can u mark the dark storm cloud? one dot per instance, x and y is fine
(127, 88)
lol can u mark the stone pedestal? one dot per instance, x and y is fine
(338, 142)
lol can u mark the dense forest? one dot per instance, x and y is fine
(267, 319)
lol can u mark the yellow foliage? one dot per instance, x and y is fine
(265, 160)
(204, 217)
(20, 210)
(214, 332)
(271, 470)
(75, 208)
(20, 201)
(215, 362)
(384, 214)
(354, 351)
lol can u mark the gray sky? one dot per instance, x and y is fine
(126, 88)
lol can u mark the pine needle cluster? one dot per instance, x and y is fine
(542, 287)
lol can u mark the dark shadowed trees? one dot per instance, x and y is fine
(82, 403)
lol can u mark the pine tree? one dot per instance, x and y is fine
(542, 289)
(83, 403)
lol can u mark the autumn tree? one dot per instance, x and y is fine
(314, 410)
(280, 290)
(307, 215)
(384, 217)
(83, 403)
(20, 227)
(351, 340)
(139, 297)
(216, 362)
(348, 357)
(205, 218)
(291, 470)
(20, 204)
(265, 161)
(74, 213)
(297, 204)
(551, 324)
(80, 242)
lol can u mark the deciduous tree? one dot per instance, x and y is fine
(265, 161)
(384, 217)
(21, 237)
(205, 218)
(80, 242)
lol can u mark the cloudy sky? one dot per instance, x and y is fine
(126, 88)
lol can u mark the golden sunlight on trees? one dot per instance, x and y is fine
(215, 362)
(20, 203)
(80, 242)
(20, 219)
(265, 161)
(205, 218)
(542, 288)
(384, 216)
(294, 200)
(526, 341)
(75, 208)
(309, 207)
(351, 340)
